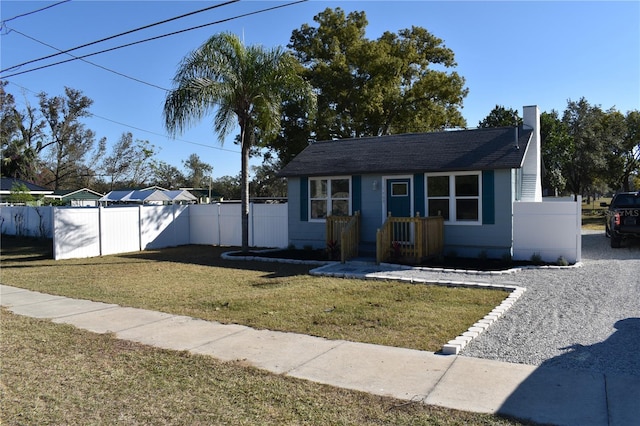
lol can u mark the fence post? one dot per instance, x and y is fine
(579, 229)
(219, 227)
(100, 231)
(140, 227)
(251, 223)
(173, 225)
(51, 217)
(54, 233)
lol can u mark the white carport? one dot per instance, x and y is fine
(181, 196)
(145, 196)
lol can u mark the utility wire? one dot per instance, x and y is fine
(219, 148)
(93, 63)
(166, 136)
(155, 38)
(118, 35)
(32, 12)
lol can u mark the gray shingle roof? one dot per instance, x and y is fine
(6, 184)
(479, 149)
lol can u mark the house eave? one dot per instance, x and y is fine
(481, 149)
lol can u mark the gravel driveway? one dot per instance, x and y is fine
(585, 318)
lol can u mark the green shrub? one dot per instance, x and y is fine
(536, 259)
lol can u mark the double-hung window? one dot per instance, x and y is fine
(329, 197)
(456, 197)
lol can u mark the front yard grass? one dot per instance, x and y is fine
(194, 281)
(593, 216)
(57, 374)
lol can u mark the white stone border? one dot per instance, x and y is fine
(474, 272)
(453, 347)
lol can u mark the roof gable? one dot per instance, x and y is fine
(84, 193)
(479, 149)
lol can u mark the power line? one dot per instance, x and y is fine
(32, 12)
(118, 35)
(94, 64)
(219, 148)
(156, 37)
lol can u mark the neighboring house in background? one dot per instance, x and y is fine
(7, 184)
(84, 197)
(152, 196)
(470, 177)
(204, 195)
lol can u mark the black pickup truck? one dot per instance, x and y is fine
(623, 217)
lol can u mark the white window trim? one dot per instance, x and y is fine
(329, 209)
(405, 184)
(452, 197)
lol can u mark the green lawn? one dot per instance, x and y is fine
(56, 374)
(593, 215)
(194, 281)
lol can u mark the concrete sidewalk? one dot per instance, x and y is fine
(544, 395)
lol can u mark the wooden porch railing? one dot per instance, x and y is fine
(410, 239)
(343, 233)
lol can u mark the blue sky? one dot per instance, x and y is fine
(511, 53)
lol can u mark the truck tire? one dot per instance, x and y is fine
(615, 241)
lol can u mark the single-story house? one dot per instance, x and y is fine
(469, 177)
(204, 195)
(148, 196)
(84, 197)
(7, 185)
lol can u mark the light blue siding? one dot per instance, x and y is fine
(495, 239)
(302, 233)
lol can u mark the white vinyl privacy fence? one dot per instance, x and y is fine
(550, 229)
(26, 221)
(88, 232)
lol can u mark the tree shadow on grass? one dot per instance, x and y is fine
(205, 255)
(21, 252)
(25, 249)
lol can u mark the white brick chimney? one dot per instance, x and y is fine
(532, 166)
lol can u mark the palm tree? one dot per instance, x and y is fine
(242, 85)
